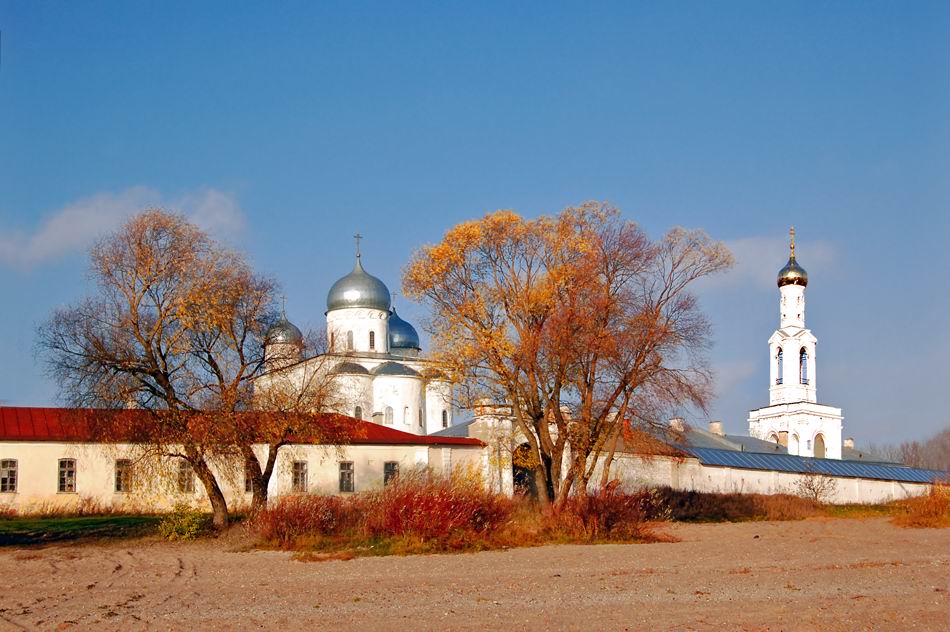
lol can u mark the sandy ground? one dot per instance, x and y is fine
(816, 574)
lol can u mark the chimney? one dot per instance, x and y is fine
(677, 424)
(715, 427)
(849, 442)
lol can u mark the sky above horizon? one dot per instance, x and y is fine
(286, 128)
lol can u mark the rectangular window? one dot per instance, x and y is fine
(300, 477)
(8, 475)
(186, 477)
(123, 475)
(346, 476)
(390, 471)
(248, 481)
(67, 475)
(372, 340)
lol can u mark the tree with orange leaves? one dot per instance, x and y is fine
(176, 327)
(578, 321)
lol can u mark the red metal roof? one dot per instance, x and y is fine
(71, 424)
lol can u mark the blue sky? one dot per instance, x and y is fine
(285, 128)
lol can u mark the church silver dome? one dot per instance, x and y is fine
(283, 332)
(359, 289)
(402, 335)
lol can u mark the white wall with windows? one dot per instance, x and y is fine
(32, 474)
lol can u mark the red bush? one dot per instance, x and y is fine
(434, 509)
(293, 517)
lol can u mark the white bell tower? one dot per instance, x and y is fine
(793, 417)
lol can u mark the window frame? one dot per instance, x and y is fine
(183, 485)
(372, 340)
(388, 415)
(390, 471)
(347, 477)
(358, 412)
(445, 418)
(350, 345)
(66, 476)
(5, 470)
(123, 476)
(299, 477)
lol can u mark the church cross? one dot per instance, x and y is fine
(791, 233)
(357, 237)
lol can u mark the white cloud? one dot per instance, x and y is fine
(75, 226)
(758, 260)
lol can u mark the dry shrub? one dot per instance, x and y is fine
(432, 509)
(929, 511)
(413, 513)
(295, 517)
(611, 514)
(690, 506)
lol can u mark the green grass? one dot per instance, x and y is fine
(39, 530)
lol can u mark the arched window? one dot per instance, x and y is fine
(793, 447)
(358, 412)
(819, 446)
(445, 418)
(803, 365)
(349, 341)
(372, 340)
(405, 415)
(778, 366)
(773, 438)
(388, 415)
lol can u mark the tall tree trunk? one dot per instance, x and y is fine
(219, 505)
(609, 459)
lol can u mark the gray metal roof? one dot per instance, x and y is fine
(461, 429)
(350, 368)
(359, 289)
(807, 465)
(394, 369)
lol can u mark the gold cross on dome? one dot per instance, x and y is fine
(791, 233)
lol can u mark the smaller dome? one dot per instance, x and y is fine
(394, 369)
(792, 273)
(349, 368)
(283, 332)
(402, 335)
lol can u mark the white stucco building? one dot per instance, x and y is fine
(794, 418)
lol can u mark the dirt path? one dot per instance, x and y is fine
(817, 574)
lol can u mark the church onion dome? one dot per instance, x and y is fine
(394, 369)
(349, 368)
(402, 335)
(359, 289)
(792, 273)
(283, 332)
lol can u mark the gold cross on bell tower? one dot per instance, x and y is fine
(791, 234)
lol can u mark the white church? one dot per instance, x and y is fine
(373, 355)
(380, 376)
(794, 418)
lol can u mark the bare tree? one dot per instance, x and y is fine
(175, 327)
(579, 322)
(932, 453)
(816, 486)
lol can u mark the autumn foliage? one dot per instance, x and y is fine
(578, 322)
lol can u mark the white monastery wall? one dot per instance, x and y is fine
(154, 486)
